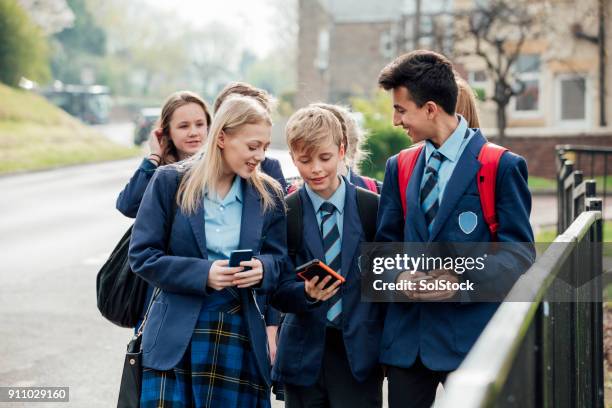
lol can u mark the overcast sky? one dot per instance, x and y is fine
(253, 20)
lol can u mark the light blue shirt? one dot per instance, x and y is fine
(451, 149)
(222, 220)
(337, 199)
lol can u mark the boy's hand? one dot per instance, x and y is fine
(250, 277)
(414, 276)
(220, 275)
(314, 288)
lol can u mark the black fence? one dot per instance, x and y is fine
(587, 162)
(541, 353)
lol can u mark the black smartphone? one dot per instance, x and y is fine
(240, 255)
(316, 267)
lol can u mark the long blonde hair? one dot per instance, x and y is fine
(466, 103)
(205, 168)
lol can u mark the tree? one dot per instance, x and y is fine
(23, 48)
(383, 139)
(498, 30)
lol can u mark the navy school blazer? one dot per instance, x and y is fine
(130, 197)
(182, 276)
(443, 333)
(302, 335)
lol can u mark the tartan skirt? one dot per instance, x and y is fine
(217, 370)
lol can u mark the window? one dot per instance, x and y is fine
(527, 67)
(387, 45)
(573, 101)
(322, 59)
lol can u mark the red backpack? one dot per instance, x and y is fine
(489, 157)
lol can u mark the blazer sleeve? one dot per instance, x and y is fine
(390, 221)
(513, 206)
(129, 199)
(273, 251)
(148, 253)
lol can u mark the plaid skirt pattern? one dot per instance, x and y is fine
(217, 370)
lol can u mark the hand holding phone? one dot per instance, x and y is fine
(253, 268)
(317, 268)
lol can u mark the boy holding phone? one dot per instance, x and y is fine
(329, 340)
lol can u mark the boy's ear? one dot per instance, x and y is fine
(221, 140)
(432, 109)
(341, 151)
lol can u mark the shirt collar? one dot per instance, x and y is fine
(234, 194)
(451, 147)
(337, 199)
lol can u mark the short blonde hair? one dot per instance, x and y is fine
(466, 103)
(353, 134)
(311, 128)
(205, 169)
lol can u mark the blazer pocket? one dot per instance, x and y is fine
(154, 322)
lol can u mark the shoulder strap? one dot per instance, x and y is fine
(489, 158)
(370, 184)
(294, 223)
(406, 160)
(367, 205)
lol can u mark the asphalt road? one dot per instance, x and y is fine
(56, 230)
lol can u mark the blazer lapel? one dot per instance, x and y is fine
(414, 214)
(463, 175)
(312, 236)
(351, 229)
(196, 221)
(252, 221)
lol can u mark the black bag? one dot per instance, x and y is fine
(131, 379)
(121, 293)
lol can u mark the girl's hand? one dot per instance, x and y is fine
(272, 331)
(220, 275)
(249, 278)
(317, 292)
(154, 141)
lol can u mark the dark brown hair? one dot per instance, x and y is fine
(427, 75)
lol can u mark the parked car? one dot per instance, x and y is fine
(144, 123)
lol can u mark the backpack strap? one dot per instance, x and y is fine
(489, 158)
(406, 160)
(367, 205)
(370, 184)
(294, 223)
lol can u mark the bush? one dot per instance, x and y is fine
(383, 139)
(23, 47)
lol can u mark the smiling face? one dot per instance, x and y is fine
(416, 121)
(319, 168)
(188, 129)
(244, 148)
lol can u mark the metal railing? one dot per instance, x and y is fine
(542, 353)
(587, 161)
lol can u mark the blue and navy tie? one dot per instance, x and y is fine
(332, 246)
(430, 189)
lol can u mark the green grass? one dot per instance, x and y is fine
(549, 234)
(544, 184)
(35, 135)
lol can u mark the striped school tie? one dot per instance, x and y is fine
(332, 246)
(430, 190)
